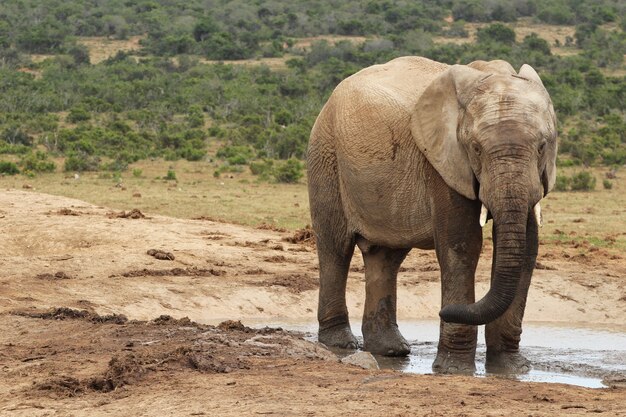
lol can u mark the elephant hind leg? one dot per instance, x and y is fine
(380, 329)
(335, 246)
(332, 313)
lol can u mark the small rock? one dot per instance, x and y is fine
(27, 186)
(364, 360)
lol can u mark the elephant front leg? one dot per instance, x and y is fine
(503, 335)
(458, 246)
(380, 329)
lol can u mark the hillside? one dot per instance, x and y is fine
(106, 84)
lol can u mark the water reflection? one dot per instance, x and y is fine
(576, 356)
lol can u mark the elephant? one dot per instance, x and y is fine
(415, 153)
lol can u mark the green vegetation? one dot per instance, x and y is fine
(165, 100)
(580, 181)
(8, 168)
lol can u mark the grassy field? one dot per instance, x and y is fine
(589, 219)
(235, 198)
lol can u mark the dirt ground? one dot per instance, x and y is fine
(109, 313)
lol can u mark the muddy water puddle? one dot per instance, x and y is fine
(592, 358)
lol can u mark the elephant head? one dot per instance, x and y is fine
(491, 135)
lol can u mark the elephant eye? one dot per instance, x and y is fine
(542, 148)
(476, 148)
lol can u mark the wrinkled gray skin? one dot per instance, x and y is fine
(402, 156)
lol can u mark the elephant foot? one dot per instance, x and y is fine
(386, 342)
(448, 362)
(507, 363)
(339, 336)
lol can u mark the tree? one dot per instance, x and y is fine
(496, 32)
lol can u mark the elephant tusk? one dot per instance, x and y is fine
(483, 215)
(538, 218)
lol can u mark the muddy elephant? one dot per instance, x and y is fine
(419, 154)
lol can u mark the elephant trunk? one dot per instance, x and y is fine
(510, 211)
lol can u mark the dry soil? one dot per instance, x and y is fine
(106, 313)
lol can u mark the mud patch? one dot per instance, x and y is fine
(64, 313)
(53, 277)
(67, 212)
(267, 226)
(144, 352)
(132, 214)
(175, 272)
(275, 259)
(295, 283)
(256, 271)
(161, 255)
(544, 267)
(304, 236)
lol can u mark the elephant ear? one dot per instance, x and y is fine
(434, 125)
(529, 73)
(548, 176)
(497, 66)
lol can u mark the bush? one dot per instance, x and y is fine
(37, 162)
(562, 183)
(137, 172)
(236, 155)
(583, 181)
(78, 114)
(289, 171)
(80, 161)
(607, 184)
(171, 175)
(496, 32)
(263, 169)
(8, 168)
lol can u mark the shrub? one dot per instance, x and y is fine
(496, 32)
(8, 168)
(37, 162)
(78, 114)
(583, 181)
(80, 161)
(289, 171)
(263, 168)
(137, 172)
(607, 184)
(562, 183)
(236, 155)
(171, 175)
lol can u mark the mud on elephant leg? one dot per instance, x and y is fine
(332, 314)
(458, 246)
(380, 329)
(456, 350)
(502, 336)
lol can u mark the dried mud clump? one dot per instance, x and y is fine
(233, 325)
(304, 236)
(267, 226)
(53, 277)
(276, 259)
(296, 283)
(176, 272)
(132, 214)
(67, 212)
(161, 255)
(121, 371)
(64, 313)
(64, 386)
(165, 319)
(543, 266)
